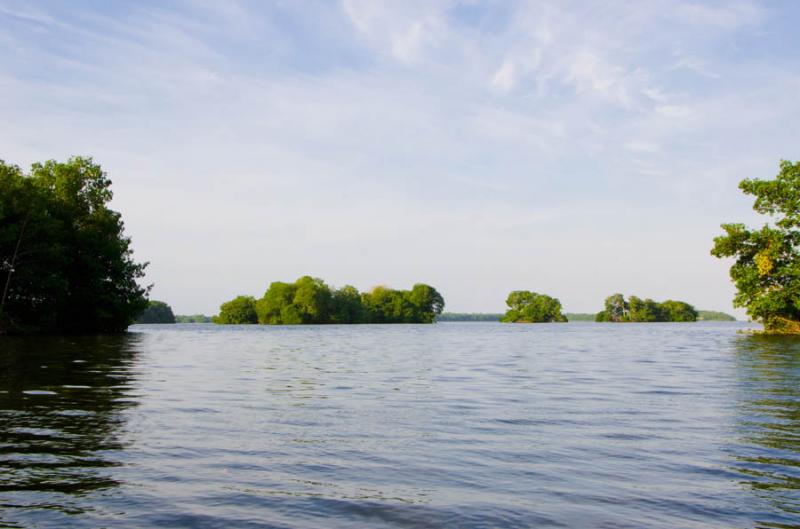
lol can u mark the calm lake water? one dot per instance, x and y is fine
(450, 425)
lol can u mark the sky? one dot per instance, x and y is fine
(575, 148)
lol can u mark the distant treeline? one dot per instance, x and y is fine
(469, 316)
(160, 312)
(310, 301)
(702, 315)
(580, 316)
(192, 318)
(712, 315)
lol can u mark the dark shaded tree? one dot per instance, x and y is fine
(678, 311)
(347, 307)
(65, 262)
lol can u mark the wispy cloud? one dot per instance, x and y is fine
(398, 141)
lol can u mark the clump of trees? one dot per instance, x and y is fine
(192, 318)
(310, 300)
(157, 312)
(238, 311)
(65, 262)
(634, 309)
(767, 266)
(529, 307)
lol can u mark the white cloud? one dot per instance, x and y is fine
(505, 76)
(393, 142)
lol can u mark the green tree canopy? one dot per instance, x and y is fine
(240, 310)
(618, 309)
(65, 262)
(529, 307)
(426, 303)
(678, 311)
(310, 300)
(766, 270)
(347, 307)
(270, 306)
(644, 310)
(157, 312)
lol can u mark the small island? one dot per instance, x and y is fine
(530, 307)
(618, 309)
(310, 300)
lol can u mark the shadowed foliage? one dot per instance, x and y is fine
(157, 312)
(65, 262)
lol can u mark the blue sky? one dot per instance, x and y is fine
(572, 148)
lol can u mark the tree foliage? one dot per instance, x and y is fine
(157, 312)
(529, 307)
(634, 309)
(766, 270)
(310, 300)
(65, 262)
(240, 310)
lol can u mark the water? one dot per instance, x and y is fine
(447, 425)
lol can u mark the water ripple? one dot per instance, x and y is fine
(450, 425)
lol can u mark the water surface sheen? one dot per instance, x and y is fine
(447, 425)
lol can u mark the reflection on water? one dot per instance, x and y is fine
(769, 423)
(450, 425)
(60, 415)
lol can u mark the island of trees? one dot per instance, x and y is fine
(310, 300)
(530, 307)
(634, 309)
(702, 315)
(65, 262)
(766, 270)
